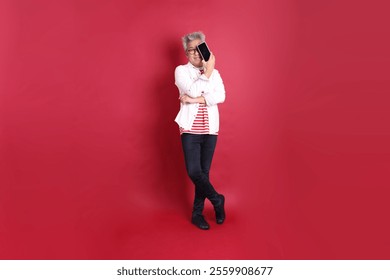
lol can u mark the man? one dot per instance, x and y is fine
(201, 89)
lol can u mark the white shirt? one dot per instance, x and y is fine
(190, 81)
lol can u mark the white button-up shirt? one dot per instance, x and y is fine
(190, 81)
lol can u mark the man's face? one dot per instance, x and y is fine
(192, 53)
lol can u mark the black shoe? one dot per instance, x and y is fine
(220, 210)
(200, 222)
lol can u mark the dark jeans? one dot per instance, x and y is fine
(198, 155)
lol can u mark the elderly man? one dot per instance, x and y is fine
(201, 90)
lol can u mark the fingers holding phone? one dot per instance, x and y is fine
(208, 59)
(209, 65)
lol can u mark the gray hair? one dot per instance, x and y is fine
(191, 37)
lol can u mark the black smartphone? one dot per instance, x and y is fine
(204, 51)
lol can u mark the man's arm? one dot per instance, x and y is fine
(187, 99)
(187, 85)
(216, 94)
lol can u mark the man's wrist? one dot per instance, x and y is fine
(208, 72)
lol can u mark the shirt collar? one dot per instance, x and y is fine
(192, 66)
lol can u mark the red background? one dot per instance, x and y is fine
(90, 159)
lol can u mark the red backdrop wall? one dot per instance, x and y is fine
(90, 159)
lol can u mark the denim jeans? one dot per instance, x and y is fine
(198, 154)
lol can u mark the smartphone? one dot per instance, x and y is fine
(204, 51)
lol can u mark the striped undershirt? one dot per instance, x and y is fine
(201, 122)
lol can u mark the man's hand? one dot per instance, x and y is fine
(185, 99)
(209, 65)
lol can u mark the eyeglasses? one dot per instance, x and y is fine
(192, 51)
